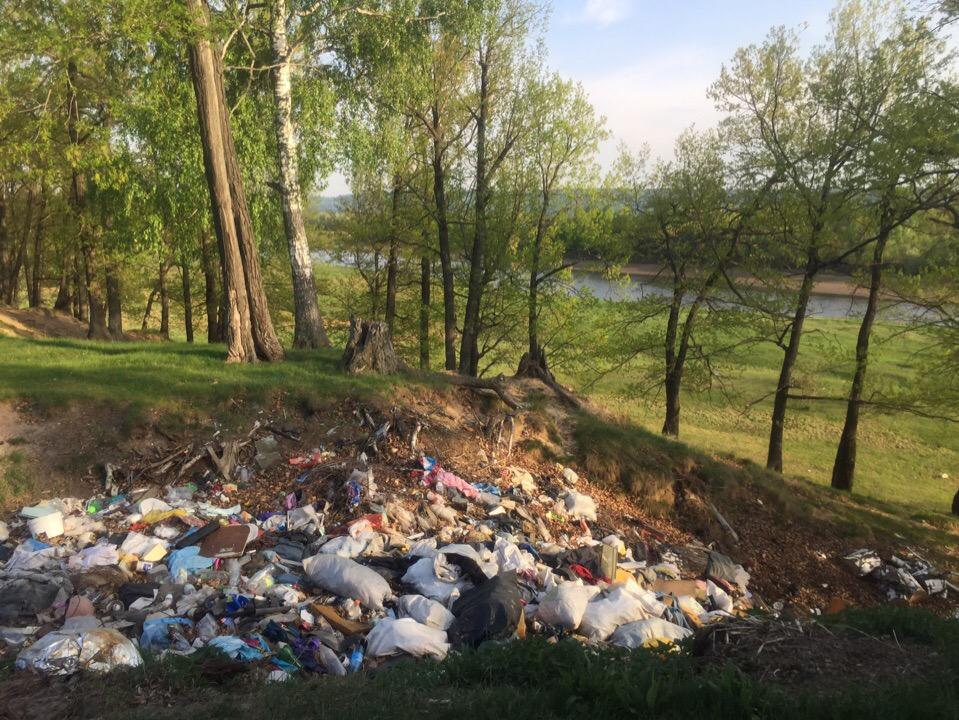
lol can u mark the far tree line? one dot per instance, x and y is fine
(140, 140)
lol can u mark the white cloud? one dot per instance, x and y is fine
(605, 12)
(654, 99)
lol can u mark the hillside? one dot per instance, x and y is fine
(148, 409)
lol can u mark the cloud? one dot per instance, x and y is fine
(605, 12)
(652, 101)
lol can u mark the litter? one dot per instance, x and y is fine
(419, 563)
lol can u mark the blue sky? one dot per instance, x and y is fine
(646, 64)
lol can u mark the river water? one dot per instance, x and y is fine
(637, 287)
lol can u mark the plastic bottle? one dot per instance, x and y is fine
(262, 581)
(356, 658)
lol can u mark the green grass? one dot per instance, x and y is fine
(536, 679)
(901, 457)
(169, 377)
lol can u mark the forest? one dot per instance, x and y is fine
(161, 166)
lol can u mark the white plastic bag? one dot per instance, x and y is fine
(389, 637)
(565, 604)
(345, 546)
(650, 631)
(348, 579)
(94, 556)
(582, 506)
(63, 653)
(423, 577)
(624, 604)
(510, 557)
(425, 611)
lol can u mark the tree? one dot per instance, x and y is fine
(561, 142)
(911, 169)
(811, 121)
(497, 107)
(309, 331)
(249, 330)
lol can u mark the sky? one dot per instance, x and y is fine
(646, 64)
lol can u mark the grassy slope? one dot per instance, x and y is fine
(901, 457)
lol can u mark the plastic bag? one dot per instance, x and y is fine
(63, 653)
(425, 611)
(94, 556)
(187, 561)
(491, 611)
(648, 632)
(624, 604)
(348, 579)
(423, 577)
(346, 546)
(565, 604)
(233, 647)
(510, 557)
(580, 506)
(389, 637)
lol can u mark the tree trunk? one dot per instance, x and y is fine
(187, 298)
(261, 325)
(95, 294)
(443, 232)
(151, 298)
(63, 303)
(4, 240)
(210, 112)
(844, 467)
(535, 361)
(309, 331)
(214, 331)
(36, 269)
(469, 344)
(369, 348)
(79, 294)
(14, 263)
(114, 305)
(425, 311)
(164, 302)
(392, 264)
(774, 456)
(673, 373)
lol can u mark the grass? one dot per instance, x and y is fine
(901, 460)
(169, 377)
(535, 679)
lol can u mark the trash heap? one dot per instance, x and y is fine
(342, 572)
(904, 576)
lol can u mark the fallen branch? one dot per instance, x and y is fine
(725, 523)
(496, 385)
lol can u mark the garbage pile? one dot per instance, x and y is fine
(342, 572)
(905, 576)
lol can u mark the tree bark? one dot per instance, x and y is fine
(36, 269)
(425, 311)
(164, 301)
(214, 331)
(187, 298)
(673, 371)
(261, 325)
(4, 239)
(844, 467)
(369, 348)
(151, 298)
(210, 111)
(392, 263)
(14, 262)
(114, 305)
(309, 330)
(469, 343)
(443, 233)
(774, 456)
(63, 303)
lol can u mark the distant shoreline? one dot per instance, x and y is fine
(832, 285)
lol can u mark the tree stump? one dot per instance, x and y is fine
(955, 504)
(369, 348)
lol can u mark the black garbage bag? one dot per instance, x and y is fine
(490, 611)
